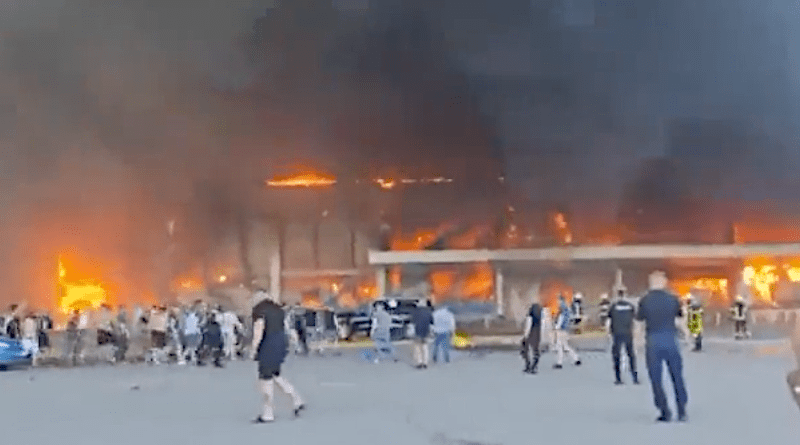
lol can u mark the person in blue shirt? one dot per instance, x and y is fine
(658, 309)
(562, 328)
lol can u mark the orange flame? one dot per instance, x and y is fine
(717, 287)
(480, 283)
(761, 278)
(416, 241)
(186, 284)
(386, 184)
(78, 294)
(562, 228)
(310, 179)
(442, 282)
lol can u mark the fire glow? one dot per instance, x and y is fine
(310, 179)
(477, 284)
(78, 294)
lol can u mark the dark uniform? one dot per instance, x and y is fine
(659, 309)
(739, 315)
(621, 315)
(273, 348)
(531, 342)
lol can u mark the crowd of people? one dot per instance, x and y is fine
(200, 333)
(192, 334)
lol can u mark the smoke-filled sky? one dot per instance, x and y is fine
(113, 113)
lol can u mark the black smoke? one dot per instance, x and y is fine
(119, 118)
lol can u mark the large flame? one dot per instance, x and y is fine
(78, 294)
(476, 284)
(715, 286)
(761, 278)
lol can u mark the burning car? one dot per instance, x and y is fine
(13, 354)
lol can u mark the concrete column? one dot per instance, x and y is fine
(275, 276)
(499, 296)
(380, 280)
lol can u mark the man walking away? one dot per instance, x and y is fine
(444, 327)
(562, 327)
(382, 334)
(620, 324)
(270, 347)
(531, 337)
(192, 336)
(157, 323)
(423, 319)
(659, 309)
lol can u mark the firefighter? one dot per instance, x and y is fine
(694, 322)
(739, 316)
(576, 310)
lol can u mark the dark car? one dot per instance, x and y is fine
(13, 354)
(359, 323)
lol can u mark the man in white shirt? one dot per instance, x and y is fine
(444, 327)
(192, 336)
(30, 336)
(229, 322)
(83, 332)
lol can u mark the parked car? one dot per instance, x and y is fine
(359, 322)
(13, 354)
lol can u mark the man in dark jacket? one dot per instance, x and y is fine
(531, 337)
(270, 347)
(659, 309)
(212, 341)
(620, 321)
(422, 319)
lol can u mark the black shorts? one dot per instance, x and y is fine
(158, 339)
(104, 337)
(268, 371)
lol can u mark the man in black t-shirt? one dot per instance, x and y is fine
(620, 322)
(270, 347)
(532, 337)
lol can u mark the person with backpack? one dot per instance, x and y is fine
(531, 337)
(562, 328)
